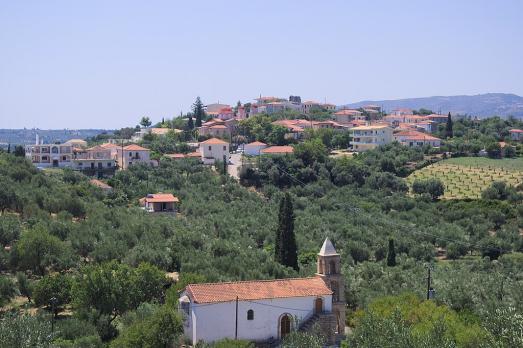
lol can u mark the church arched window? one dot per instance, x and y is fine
(250, 314)
(332, 267)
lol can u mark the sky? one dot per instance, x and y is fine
(105, 64)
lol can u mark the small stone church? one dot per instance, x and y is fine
(267, 310)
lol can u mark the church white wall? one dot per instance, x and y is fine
(212, 322)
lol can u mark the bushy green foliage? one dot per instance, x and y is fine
(38, 251)
(160, 329)
(56, 286)
(7, 290)
(226, 232)
(405, 321)
(113, 288)
(432, 187)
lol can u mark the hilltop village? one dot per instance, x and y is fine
(279, 222)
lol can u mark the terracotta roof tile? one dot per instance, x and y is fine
(278, 149)
(256, 143)
(214, 141)
(415, 135)
(161, 197)
(257, 290)
(134, 147)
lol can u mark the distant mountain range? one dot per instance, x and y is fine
(48, 136)
(481, 105)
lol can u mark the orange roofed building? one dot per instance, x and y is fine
(213, 150)
(160, 202)
(133, 154)
(268, 310)
(277, 150)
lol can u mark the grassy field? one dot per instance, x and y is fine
(467, 177)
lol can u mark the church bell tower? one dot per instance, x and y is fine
(329, 269)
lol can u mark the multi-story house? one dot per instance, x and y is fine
(97, 160)
(369, 137)
(133, 154)
(348, 115)
(50, 155)
(213, 150)
(437, 118)
(218, 128)
(309, 106)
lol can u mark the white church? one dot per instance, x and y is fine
(267, 310)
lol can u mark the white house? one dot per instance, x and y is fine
(369, 137)
(516, 134)
(160, 202)
(50, 155)
(214, 149)
(254, 148)
(267, 310)
(412, 138)
(133, 154)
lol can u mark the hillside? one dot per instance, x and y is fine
(481, 105)
(27, 136)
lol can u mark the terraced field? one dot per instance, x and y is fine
(467, 177)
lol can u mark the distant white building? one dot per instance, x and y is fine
(412, 138)
(133, 154)
(267, 310)
(370, 137)
(254, 148)
(214, 149)
(50, 155)
(516, 134)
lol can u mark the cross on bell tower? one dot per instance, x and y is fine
(329, 269)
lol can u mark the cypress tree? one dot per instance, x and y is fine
(286, 251)
(9, 148)
(198, 111)
(391, 255)
(450, 133)
(190, 123)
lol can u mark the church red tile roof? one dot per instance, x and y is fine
(257, 290)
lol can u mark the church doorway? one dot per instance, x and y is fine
(318, 305)
(285, 325)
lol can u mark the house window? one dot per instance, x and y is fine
(109, 164)
(54, 150)
(64, 158)
(250, 314)
(130, 154)
(209, 148)
(224, 148)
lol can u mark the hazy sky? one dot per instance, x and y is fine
(104, 64)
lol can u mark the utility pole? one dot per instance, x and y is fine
(236, 326)
(430, 291)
